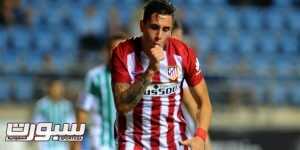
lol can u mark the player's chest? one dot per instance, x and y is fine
(170, 69)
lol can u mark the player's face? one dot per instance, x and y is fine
(157, 29)
(56, 90)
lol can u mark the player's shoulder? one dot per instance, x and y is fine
(177, 43)
(126, 47)
(179, 46)
(96, 70)
(44, 101)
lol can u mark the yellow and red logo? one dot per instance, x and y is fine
(173, 73)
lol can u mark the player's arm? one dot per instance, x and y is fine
(198, 104)
(195, 80)
(203, 113)
(204, 108)
(86, 100)
(127, 95)
(81, 117)
(83, 107)
(190, 102)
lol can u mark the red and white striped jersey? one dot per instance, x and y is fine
(157, 121)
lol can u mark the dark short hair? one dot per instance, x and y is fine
(158, 6)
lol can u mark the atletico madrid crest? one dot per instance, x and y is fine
(173, 73)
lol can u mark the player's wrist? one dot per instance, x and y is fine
(153, 66)
(147, 77)
(201, 133)
(150, 72)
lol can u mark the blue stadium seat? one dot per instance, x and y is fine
(20, 37)
(126, 3)
(220, 68)
(3, 38)
(218, 2)
(224, 43)
(208, 17)
(66, 40)
(41, 17)
(193, 3)
(33, 61)
(293, 18)
(242, 86)
(54, 17)
(94, 24)
(267, 43)
(61, 63)
(125, 14)
(284, 67)
(10, 61)
(261, 65)
(191, 20)
(231, 18)
(274, 19)
(279, 93)
(295, 88)
(247, 43)
(43, 40)
(282, 2)
(33, 3)
(84, 2)
(76, 18)
(289, 44)
(204, 41)
(259, 88)
(251, 19)
(4, 90)
(24, 89)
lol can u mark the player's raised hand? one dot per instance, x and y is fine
(195, 143)
(156, 55)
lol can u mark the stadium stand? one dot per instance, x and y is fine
(249, 41)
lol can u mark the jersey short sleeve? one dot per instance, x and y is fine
(193, 73)
(38, 113)
(88, 82)
(119, 66)
(86, 102)
(91, 92)
(184, 84)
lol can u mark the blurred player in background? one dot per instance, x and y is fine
(56, 109)
(147, 78)
(97, 105)
(177, 30)
(190, 105)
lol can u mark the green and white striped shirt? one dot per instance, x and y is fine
(56, 112)
(99, 103)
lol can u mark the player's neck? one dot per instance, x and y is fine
(54, 98)
(145, 46)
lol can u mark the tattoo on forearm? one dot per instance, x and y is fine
(135, 93)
